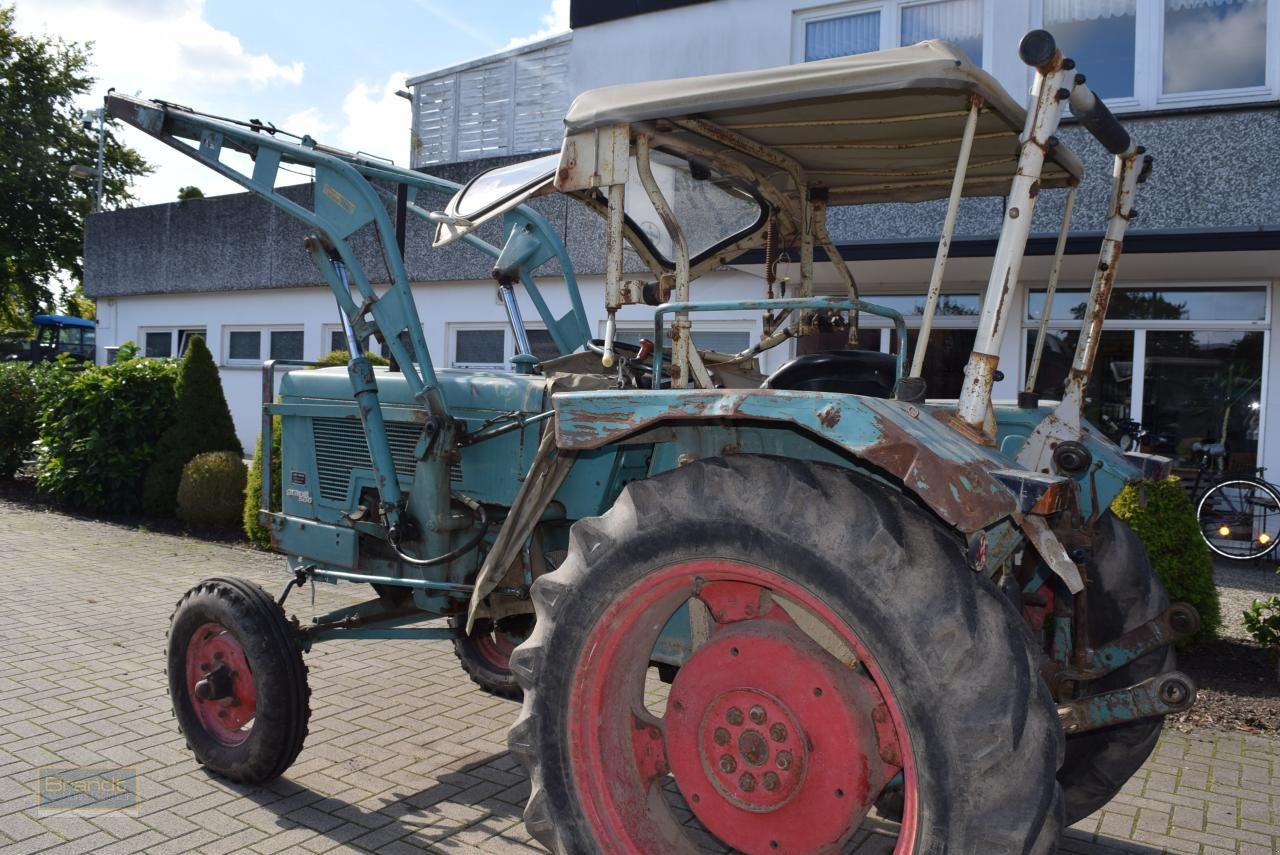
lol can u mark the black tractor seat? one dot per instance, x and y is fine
(848, 372)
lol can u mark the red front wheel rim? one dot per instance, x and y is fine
(220, 684)
(775, 744)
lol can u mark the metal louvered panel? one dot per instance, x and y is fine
(512, 103)
(341, 447)
(484, 109)
(435, 120)
(542, 97)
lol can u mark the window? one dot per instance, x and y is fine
(708, 338)
(863, 27)
(1101, 37)
(841, 36)
(954, 330)
(173, 341)
(543, 346)
(1214, 45)
(479, 347)
(158, 344)
(1186, 362)
(1148, 53)
(245, 346)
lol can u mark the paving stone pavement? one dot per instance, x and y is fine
(404, 755)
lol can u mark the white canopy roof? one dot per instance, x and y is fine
(873, 127)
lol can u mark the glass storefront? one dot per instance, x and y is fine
(1200, 352)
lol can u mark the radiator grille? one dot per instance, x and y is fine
(341, 447)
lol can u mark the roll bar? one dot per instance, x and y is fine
(1038, 50)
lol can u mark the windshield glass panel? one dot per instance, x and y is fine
(497, 185)
(711, 209)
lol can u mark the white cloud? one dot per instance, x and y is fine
(161, 49)
(377, 120)
(309, 121)
(136, 44)
(554, 22)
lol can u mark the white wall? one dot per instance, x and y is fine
(440, 304)
(739, 35)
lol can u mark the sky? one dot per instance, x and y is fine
(324, 68)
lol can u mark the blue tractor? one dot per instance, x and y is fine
(55, 335)
(743, 608)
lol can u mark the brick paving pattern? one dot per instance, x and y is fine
(404, 755)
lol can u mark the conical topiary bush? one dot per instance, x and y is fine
(202, 422)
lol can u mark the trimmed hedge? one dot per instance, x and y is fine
(98, 430)
(201, 422)
(210, 492)
(258, 535)
(342, 357)
(1166, 523)
(18, 430)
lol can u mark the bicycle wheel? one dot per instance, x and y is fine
(1240, 518)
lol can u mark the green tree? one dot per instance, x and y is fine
(191, 191)
(41, 135)
(201, 422)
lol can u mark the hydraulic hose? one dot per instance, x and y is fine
(481, 518)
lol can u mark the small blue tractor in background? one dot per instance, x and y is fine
(54, 336)
(747, 608)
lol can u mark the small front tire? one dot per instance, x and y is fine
(237, 681)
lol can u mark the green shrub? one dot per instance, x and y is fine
(98, 429)
(1262, 620)
(342, 357)
(211, 488)
(201, 422)
(18, 387)
(257, 534)
(1166, 523)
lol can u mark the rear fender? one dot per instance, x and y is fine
(949, 474)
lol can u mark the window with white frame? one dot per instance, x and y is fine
(491, 345)
(1185, 361)
(720, 337)
(1149, 53)
(479, 346)
(254, 345)
(955, 328)
(332, 337)
(862, 27)
(162, 342)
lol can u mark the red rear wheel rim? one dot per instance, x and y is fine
(774, 743)
(220, 684)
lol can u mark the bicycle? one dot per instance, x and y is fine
(1239, 515)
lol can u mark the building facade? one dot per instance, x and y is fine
(1189, 349)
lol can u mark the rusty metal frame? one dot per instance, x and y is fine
(1051, 288)
(973, 413)
(683, 355)
(944, 242)
(1064, 422)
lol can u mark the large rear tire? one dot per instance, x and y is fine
(1123, 594)
(849, 634)
(236, 680)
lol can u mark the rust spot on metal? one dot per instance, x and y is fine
(829, 416)
(929, 475)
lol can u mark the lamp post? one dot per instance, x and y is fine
(79, 170)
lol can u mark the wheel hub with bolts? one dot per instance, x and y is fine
(222, 688)
(752, 748)
(768, 733)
